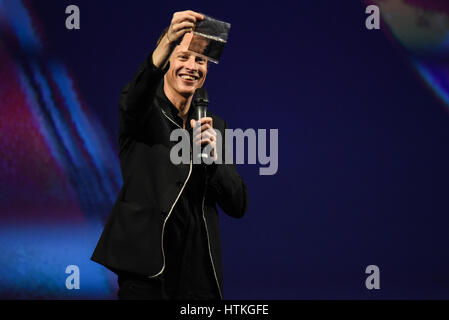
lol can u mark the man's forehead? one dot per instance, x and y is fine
(184, 51)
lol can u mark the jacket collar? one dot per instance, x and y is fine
(169, 109)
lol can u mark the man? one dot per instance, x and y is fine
(162, 237)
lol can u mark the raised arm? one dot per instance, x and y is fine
(137, 95)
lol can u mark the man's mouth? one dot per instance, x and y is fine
(188, 77)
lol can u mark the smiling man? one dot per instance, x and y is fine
(162, 237)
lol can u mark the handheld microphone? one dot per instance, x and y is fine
(200, 102)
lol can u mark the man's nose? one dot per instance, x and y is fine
(191, 64)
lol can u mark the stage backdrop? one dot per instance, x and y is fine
(363, 158)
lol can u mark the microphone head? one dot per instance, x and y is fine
(200, 98)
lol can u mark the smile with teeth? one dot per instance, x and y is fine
(188, 77)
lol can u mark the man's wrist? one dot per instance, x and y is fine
(163, 51)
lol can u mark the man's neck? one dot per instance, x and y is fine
(182, 103)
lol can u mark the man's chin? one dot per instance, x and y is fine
(187, 91)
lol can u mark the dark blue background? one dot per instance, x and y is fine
(363, 144)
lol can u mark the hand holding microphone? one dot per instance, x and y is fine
(203, 131)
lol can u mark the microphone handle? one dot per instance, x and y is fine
(201, 112)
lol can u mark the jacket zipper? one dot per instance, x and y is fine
(208, 242)
(171, 209)
(204, 219)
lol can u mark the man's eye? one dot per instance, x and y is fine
(183, 57)
(201, 61)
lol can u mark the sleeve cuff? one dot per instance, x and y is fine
(153, 69)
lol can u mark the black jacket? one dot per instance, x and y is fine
(132, 239)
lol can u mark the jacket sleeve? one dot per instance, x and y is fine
(136, 101)
(137, 95)
(227, 187)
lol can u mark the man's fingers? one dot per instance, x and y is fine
(183, 18)
(183, 25)
(206, 134)
(187, 15)
(208, 120)
(195, 14)
(204, 141)
(205, 138)
(177, 36)
(203, 129)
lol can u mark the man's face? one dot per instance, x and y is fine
(187, 70)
